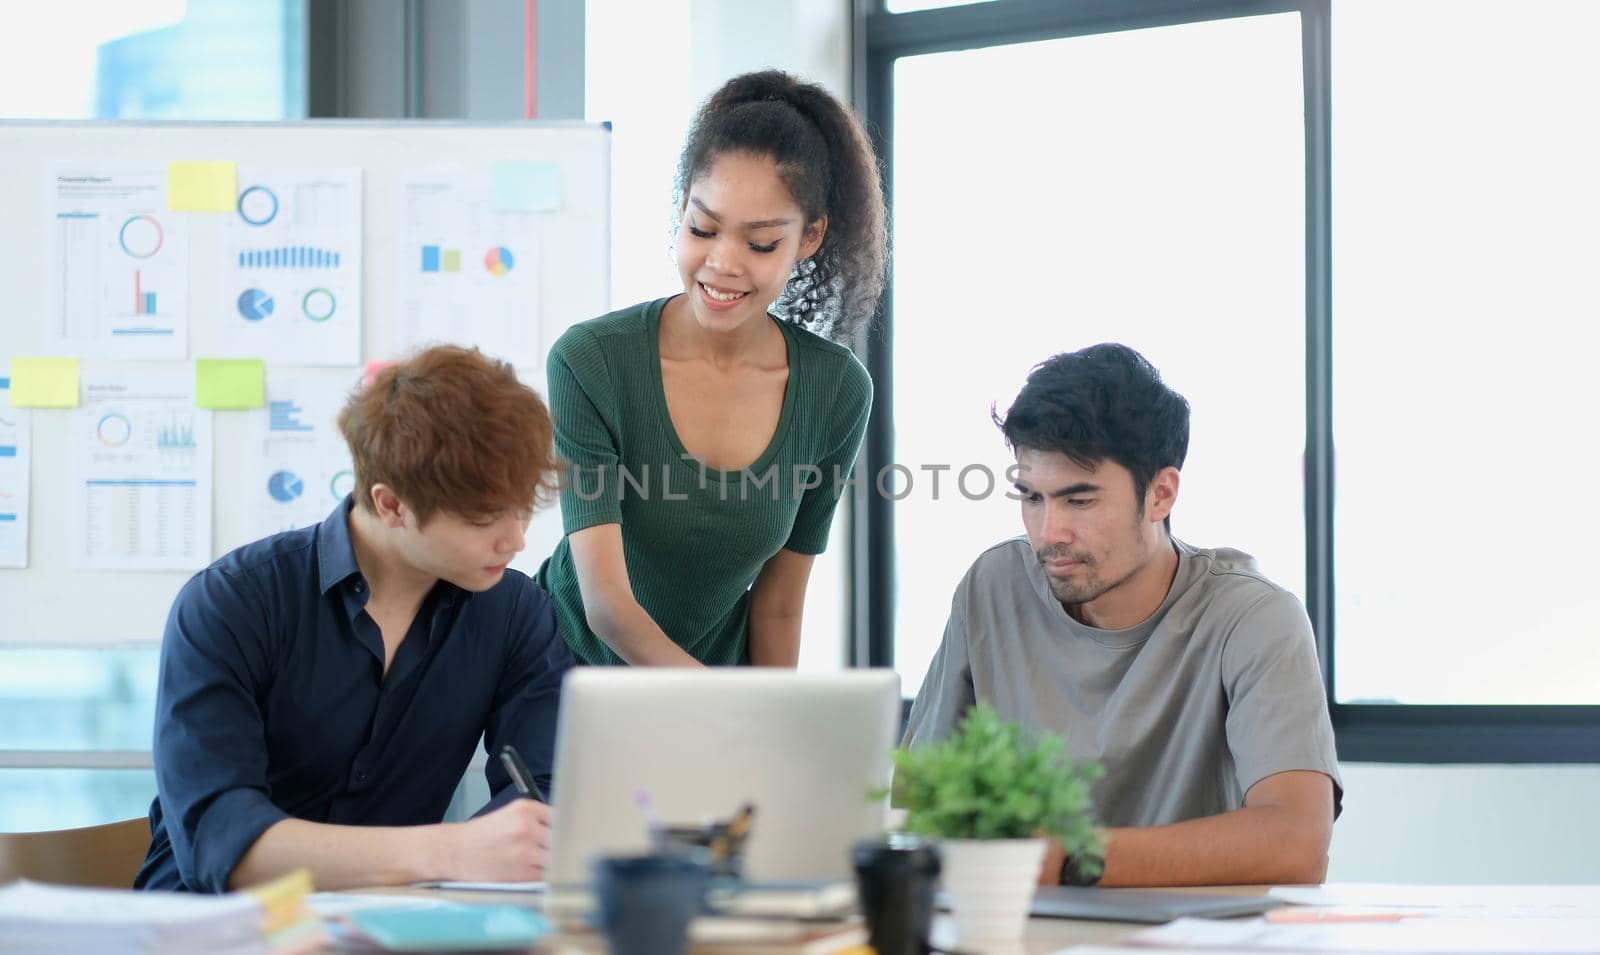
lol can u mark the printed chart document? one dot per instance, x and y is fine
(303, 465)
(467, 272)
(291, 267)
(1452, 901)
(15, 430)
(118, 264)
(141, 473)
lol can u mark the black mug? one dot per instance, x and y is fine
(645, 902)
(897, 878)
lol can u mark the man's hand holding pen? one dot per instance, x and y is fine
(509, 844)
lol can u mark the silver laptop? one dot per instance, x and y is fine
(804, 748)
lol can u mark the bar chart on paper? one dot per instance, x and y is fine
(467, 268)
(289, 257)
(301, 464)
(291, 265)
(144, 300)
(117, 265)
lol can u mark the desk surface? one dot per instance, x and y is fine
(1044, 936)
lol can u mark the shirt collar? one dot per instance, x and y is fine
(1117, 639)
(336, 553)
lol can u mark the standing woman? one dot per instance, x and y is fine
(708, 433)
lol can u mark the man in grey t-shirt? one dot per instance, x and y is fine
(1187, 674)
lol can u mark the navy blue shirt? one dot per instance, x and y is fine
(273, 703)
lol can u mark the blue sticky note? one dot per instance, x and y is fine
(451, 927)
(527, 187)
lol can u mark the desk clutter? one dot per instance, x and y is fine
(685, 896)
(687, 892)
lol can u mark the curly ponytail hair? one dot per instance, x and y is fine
(826, 161)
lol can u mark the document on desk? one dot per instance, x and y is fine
(1453, 901)
(1126, 950)
(330, 905)
(1426, 936)
(485, 886)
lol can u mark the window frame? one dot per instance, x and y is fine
(1384, 733)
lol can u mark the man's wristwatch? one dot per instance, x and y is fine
(1074, 874)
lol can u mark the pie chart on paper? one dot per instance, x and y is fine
(499, 261)
(254, 304)
(285, 486)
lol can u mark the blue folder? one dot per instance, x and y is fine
(451, 928)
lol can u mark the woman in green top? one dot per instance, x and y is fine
(710, 434)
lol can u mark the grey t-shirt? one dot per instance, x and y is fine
(1215, 691)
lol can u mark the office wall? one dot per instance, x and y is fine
(1468, 824)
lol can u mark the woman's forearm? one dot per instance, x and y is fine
(633, 635)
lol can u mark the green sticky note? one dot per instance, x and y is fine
(452, 260)
(202, 186)
(230, 383)
(38, 382)
(527, 186)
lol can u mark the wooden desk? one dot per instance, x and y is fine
(1044, 936)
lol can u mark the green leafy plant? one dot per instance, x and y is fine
(990, 779)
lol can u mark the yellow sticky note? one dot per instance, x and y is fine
(38, 382)
(202, 186)
(230, 383)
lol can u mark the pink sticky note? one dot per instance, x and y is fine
(373, 367)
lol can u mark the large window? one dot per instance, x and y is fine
(1465, 327)
(155, 59)
(1143, 187)
(1355, 234)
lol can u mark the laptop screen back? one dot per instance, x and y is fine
(804, 748)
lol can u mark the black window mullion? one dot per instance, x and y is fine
(1318, 462)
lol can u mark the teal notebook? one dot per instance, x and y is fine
(451, 928)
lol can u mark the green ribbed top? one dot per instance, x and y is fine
(694, 538)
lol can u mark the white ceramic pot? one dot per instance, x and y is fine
(991, 883)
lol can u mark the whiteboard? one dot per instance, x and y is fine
(52, 604)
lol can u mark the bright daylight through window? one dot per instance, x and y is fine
(1145, 187)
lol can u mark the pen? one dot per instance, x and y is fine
(518, 771)
(648, 807)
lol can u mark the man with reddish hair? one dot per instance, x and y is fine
(322, 690)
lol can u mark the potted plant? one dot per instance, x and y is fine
(991, 793)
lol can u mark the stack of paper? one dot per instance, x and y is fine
(802, 900)
(723, 935)
(47, 919)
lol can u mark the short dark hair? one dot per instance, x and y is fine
(451, 429)
(1104, 402)
(827, 163)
